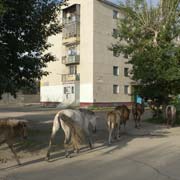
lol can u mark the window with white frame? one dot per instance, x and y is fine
(72, 89)
(115, 70)
(115, 14)
(69, 90)
(72, 69)
(115, 89)
(115, 53)
(126, 89)
(126, 72)
(115, 33)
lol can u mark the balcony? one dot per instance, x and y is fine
(70, 77)
(71, 33)
(73, 59)
(72, 20)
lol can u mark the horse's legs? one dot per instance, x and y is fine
(89, 137)
(12, 150)
(54, 131)
(110, 135)
(118, 131)
(76, 147)
(139, 120)
(135, 119)
(49, 148)
(124, 126)
(90, 142)
(168, 122)
(67, 154)
(173, 120)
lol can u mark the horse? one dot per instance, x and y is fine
(124, 114)
(137, 111)
(10, 130)
(75, 136)
(113, 124)
(156, 108)
(86, 119)
(170, 114)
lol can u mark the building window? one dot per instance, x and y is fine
(115, 70)
(116, 54)
(115, 33)
(72, 69)
(126, 89)
(72, 89)
(115, 14)
(72, 51)
(69, 90)
(115, 89)
(126, 72)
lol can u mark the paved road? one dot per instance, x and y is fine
(150, 153)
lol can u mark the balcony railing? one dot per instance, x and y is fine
(71, 32)
(70, 77)
(73, 19)
(73, 59)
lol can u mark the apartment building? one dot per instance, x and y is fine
(86, 72)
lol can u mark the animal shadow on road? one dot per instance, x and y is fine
(40, 125)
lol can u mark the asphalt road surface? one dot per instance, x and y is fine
(149, 153)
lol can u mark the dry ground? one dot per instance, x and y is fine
(39, 130)
(32, 152)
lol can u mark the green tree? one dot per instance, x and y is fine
(147, 35)
(1, 7)
(24, 30)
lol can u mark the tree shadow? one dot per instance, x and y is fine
(40, 126)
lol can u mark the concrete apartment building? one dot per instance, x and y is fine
(86, 71)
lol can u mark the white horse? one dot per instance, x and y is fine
(170, 114)
(86, 119)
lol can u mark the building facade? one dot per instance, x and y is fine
(86, 71)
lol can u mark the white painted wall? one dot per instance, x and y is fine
(86, 92)
(51, 93)
(86, 51)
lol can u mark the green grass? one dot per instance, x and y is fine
(96, 108)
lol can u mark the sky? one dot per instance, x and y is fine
(117, 1)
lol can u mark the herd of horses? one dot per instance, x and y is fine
(78, 126)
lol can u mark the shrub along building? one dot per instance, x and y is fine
(86, 71)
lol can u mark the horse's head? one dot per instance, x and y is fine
(22, 128)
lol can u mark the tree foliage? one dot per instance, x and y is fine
(24, 30)
(1, 7)
(147, 35)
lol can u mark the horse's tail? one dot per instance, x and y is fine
(55, 128)
(76, 132)
(56, 124)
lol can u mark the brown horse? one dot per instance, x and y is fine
(10, 129)
(137, 111)
(124, 114)
(113, 123)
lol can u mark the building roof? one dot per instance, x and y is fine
(109, 3)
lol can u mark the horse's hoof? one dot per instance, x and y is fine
(76, 151)
(46, 158)
(67, 155)
(3, 161)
